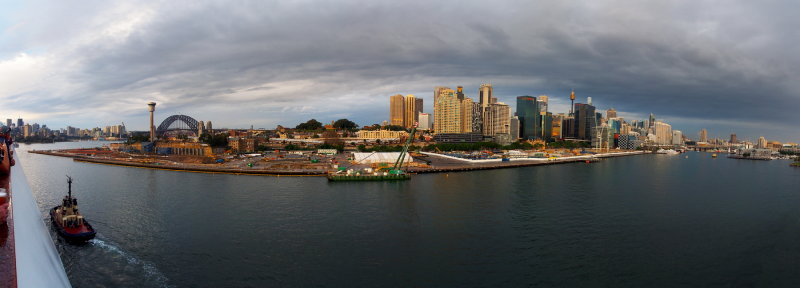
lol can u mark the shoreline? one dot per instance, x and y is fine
(467, 165)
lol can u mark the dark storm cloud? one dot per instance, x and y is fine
(273, 62)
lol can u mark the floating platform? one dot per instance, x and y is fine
(368, 177)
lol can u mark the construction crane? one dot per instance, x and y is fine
(400, 159)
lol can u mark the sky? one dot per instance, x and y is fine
(727, 66)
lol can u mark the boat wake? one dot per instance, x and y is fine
(151, 272)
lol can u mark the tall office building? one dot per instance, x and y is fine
(497, 119)
(733, 139)
(460, 92)
(447, 112)
(555, 130)
(663, 133)
(410, 112)
(20, 123)
(515, 130)
(477, 117)
(9, 122)
(466, 115)
(485, 96)
(585, 121)
(611, 113)
(418, 107)
(396, 109)
(27, 131)
(703, 135)
(529, 117)
(546, 126)
(569, 127)
(542, 102)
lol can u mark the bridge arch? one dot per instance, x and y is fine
(182, 123)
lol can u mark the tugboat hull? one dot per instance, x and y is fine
(81, 233)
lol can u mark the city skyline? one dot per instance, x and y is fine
(708, 67)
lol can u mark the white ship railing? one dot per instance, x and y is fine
(38, 263)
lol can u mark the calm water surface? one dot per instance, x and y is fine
(639, 221)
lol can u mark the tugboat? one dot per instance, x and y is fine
(69, 223)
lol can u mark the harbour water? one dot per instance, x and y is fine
(638, 221)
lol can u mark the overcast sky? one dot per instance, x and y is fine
(728, 66)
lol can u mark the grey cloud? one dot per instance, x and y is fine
(686, 59)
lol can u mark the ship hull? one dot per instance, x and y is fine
(80, 234)
(369, 177)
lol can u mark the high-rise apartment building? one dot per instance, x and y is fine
(396, 109)
(762, 143)
(497, 119)
(663, 133)
(447, 112)
(733, 139)
(529, 117)
(677, 137)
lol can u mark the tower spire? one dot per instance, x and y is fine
(572, 102)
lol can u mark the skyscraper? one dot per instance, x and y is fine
(555, 131)
(20, 123)
(418, 107)
(410, 112)
(515, 130)
(396, 109)
(497, 119)
(611, 113)
(663, 133)
(485, 95)
(466, 115)
(733, 139)
(703, 135)
(460, 92)
(585, 121)
(436, 92)
(528, 113)
(447, 112)
(652, 121)
(9, 122)
(542, 102)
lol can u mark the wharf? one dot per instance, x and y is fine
(439, 164)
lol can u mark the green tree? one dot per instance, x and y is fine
(345, 124)
(312, 124)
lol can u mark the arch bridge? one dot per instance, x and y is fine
(177, 125)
